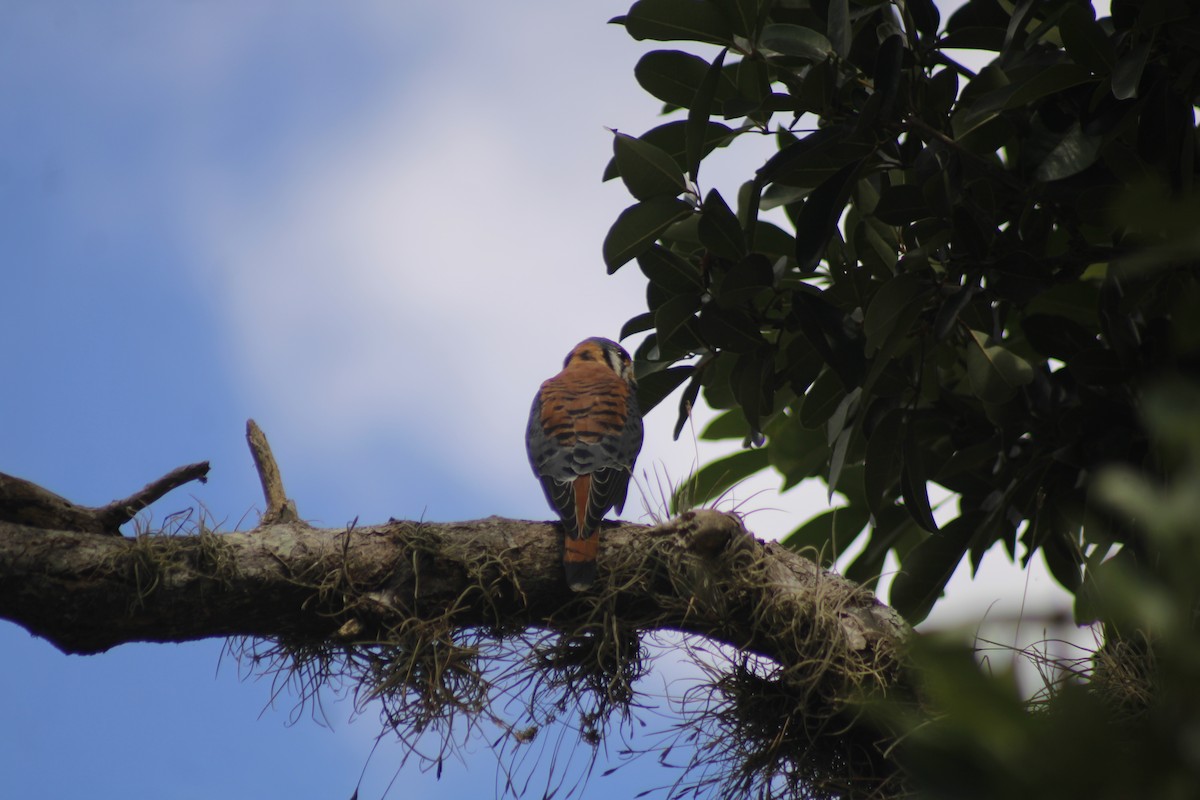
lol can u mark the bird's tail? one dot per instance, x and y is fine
(580, 546)
(579, 559)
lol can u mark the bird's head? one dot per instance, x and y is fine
(604, 352)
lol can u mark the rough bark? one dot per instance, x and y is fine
(87, 593)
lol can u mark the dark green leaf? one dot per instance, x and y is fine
(672, 76)
(642, 322)
(718, 381)
(899, 340)
(995, 372)
(1057, 337)
(638, 227)
(893, 529)
(687, 401)
(824, 325)
(876, 245)
(925, 15)
(1085, 40)
(1014, 38)
(729, 425)
(794, 40)
(744, 15)
(796, 452)
(901, 204)
(1077, 301)
(1054, 78)
(925, 571)
(886, 78)
(753, 86)
(754, 386)
(720, 230)
(729, 330)
(671, 139)
(822, 399)
(940, 93)
(652, 389)
(887, 306)
(981, 99)
(1063, 560)
(675, 320)
(772, 240)
(815, 158)
(818, 218)
(817, 93)
(846, 412)
(913, 483)
(1127, 74)
(673, 273)
(884, 458)
(947, 315)
(678, 20)
(837, 459)
(646, 171)
(1075, 152)
(779, 194)
(698, 114)
(973, 38)
(716, 478)
(829, 533)
(745, 279)
(840, 32)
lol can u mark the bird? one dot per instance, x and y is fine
(584, 434)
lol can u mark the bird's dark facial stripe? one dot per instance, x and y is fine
(615, 361)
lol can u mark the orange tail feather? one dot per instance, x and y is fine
(579, 560)
(580, 547)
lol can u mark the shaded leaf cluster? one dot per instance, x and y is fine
(941, 275)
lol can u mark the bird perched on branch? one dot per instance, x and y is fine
(584, 434)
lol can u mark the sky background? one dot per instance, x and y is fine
(375, 228)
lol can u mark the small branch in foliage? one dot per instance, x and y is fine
(914, 123)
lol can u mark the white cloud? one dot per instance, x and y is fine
(420, 270)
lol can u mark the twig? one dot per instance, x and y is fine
(279, 507)
(915, 123)
(118, 512)
(27, 503)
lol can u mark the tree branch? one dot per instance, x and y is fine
(86, 594)
(118, 512)
(26, 503)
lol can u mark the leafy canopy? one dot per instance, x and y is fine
(940, 275)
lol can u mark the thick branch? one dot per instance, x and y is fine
(703, 574)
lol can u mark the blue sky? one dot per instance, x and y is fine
(373, 227)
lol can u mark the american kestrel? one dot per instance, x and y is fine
(584, 434)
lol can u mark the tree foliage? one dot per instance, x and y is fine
(981, 278)
(940, 275)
